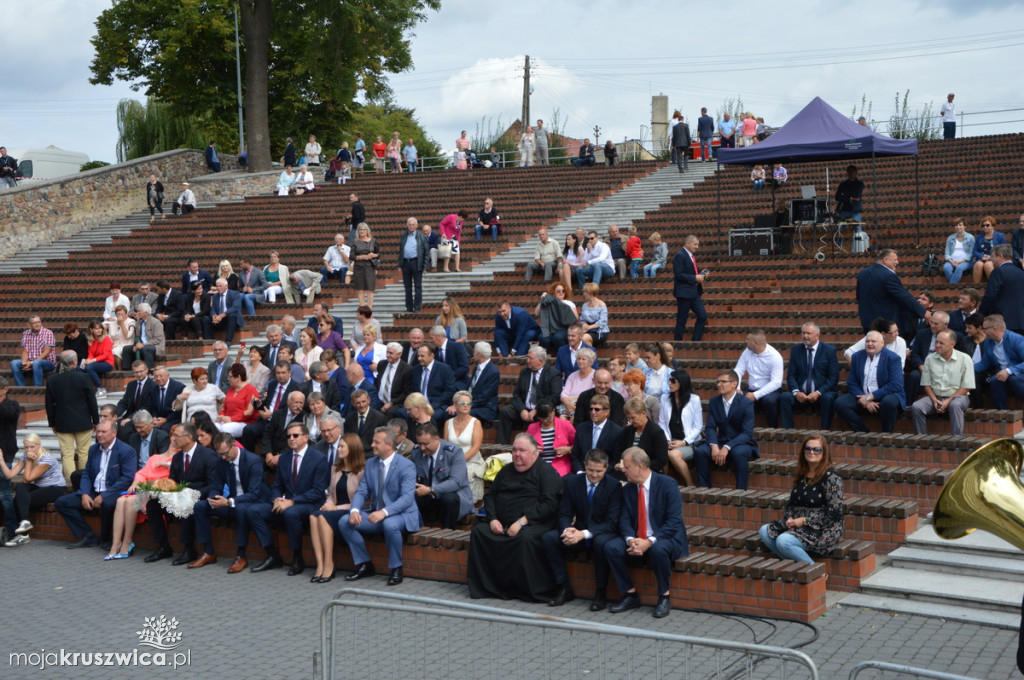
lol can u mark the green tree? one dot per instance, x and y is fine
(145, 130)
(303, 64)
(384, 119)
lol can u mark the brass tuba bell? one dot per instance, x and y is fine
(985, 492)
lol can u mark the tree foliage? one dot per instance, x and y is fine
(384, 119)
(304, 61)
(145, 130)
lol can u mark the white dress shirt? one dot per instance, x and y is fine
(764, 370)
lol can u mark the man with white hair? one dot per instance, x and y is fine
(225, 311)
(538, 383)
(291, 333)
(922, 347)
(186, 202)
(875, 385)
(335, 260)
(149, 338)
(483, 385)
(394, 380)
(453, 354)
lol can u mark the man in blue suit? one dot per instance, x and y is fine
(687, 289)
(162, 399)
(225, 312)
(1004, 294)
(389, 484)
(514, 330)
(598, 432)
(565, 359)
(650, 527)
(483, 385)
(300, 484)
(880, 293)
(812, 377)
(875, 384)
(194, 273)
(730, 432)
(442, 483)
(453, 354)
(1008, 369)
(108, 473)
(240, 479)
(432, 379)
(588, 519)
(413, 256)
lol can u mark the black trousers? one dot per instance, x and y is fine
(412, 277)
(444, 507)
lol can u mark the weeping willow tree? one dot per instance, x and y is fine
(144, 130)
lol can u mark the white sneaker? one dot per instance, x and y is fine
(24, 527)
(17, 540)
(100, 393)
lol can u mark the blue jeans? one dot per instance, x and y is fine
(634, 269)
(7, 503)
(705, 148)
(580, 162)
(96, 369)
(787, 546)
(411, 165)
(651, 270)
(953, 275)
(758, 184)
(249, 302)
(480, 231)
(325, 276)
(39, 366)
(594, 271)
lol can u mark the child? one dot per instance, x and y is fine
(633, 359)
(757, 177)
(660, 256)
(635, 252)
(779, 174)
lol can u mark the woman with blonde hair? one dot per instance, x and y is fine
(364, 256)
(419, 409)
(226, 272)
(126, 514)
(466, 432)
(452, 320)
(42, 483)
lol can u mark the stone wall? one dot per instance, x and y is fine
(37, 213)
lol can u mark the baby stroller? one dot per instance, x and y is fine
(333, 170)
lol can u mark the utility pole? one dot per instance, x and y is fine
(238, 76)
(597, 135)
(526, 94)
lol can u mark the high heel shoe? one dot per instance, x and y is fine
(124, 556)
(327, 579)
(314, 578)
(107, 558)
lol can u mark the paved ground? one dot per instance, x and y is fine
(268, 626)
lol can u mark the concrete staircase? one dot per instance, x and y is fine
(976, 579)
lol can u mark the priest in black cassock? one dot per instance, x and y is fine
(506, 555)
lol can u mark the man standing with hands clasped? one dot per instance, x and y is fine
(689, 286)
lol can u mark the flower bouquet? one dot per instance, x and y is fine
(174, 497)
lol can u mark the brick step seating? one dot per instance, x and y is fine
(881, 451)
(757, 585)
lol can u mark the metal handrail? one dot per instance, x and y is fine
(905, 670)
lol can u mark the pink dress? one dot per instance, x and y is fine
(462, 144)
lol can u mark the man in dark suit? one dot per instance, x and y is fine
(320, 381)
(880, 293)
(302, 477)
(1004, 294)
(138, 394)
(71, 411)
(413, 255)
(160, 406)
(362, 419)
(484, 382)
(650, 527)
(357, 378)
(1007, 370)
(275, 437)
(225, 312)
(514, 330)
(812, 378)
(602, 386)
(196, 466)
(442, 483)
(320, 311)
(538, 383)
(730, 433)
(218, 368)
(432, 379)
(275, 399)
(394, 381)
(681, 143)
(241, 473)
(389, 484)
(453, 354)
(598, 432)
(168, 308)
(411, 347)
(588, 519)
(565, 360)
(275, 340)
(108, 473)
(966, 304)
(687, 289)
(194, 273)
(147, 439)
(874, 384)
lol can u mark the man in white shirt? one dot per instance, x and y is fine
(597, 261)
(763, 366)
(186, 202)
(335, 261)
(545, 256)
(948, 114)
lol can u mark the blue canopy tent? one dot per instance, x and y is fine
(820, 133)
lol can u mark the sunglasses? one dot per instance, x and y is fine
(294, 436)
(812, 449)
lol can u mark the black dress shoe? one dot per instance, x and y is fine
(663, 607)
(563, 595)
(184, 558)
(86, 541)
(272, 562)
(599, 603)
(326, 579)
(158, 554)
(629, 601)
(396, 576)
(362, 571)
(298, 566)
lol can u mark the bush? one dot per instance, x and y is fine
(92, 165)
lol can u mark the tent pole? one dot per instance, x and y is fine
(718, 177)
(917, 195)
(874, 189)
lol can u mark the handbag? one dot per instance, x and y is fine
(445, 249)
(930, 266)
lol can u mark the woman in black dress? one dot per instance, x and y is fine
(364, 268)
(155, 198)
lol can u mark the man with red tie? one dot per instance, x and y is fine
(689, 285)
(651, 529)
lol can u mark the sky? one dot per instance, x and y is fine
(595, 63)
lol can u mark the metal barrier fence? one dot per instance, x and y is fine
(905, 670)
(432, 638)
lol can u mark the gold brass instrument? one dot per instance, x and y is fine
(985, 492)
